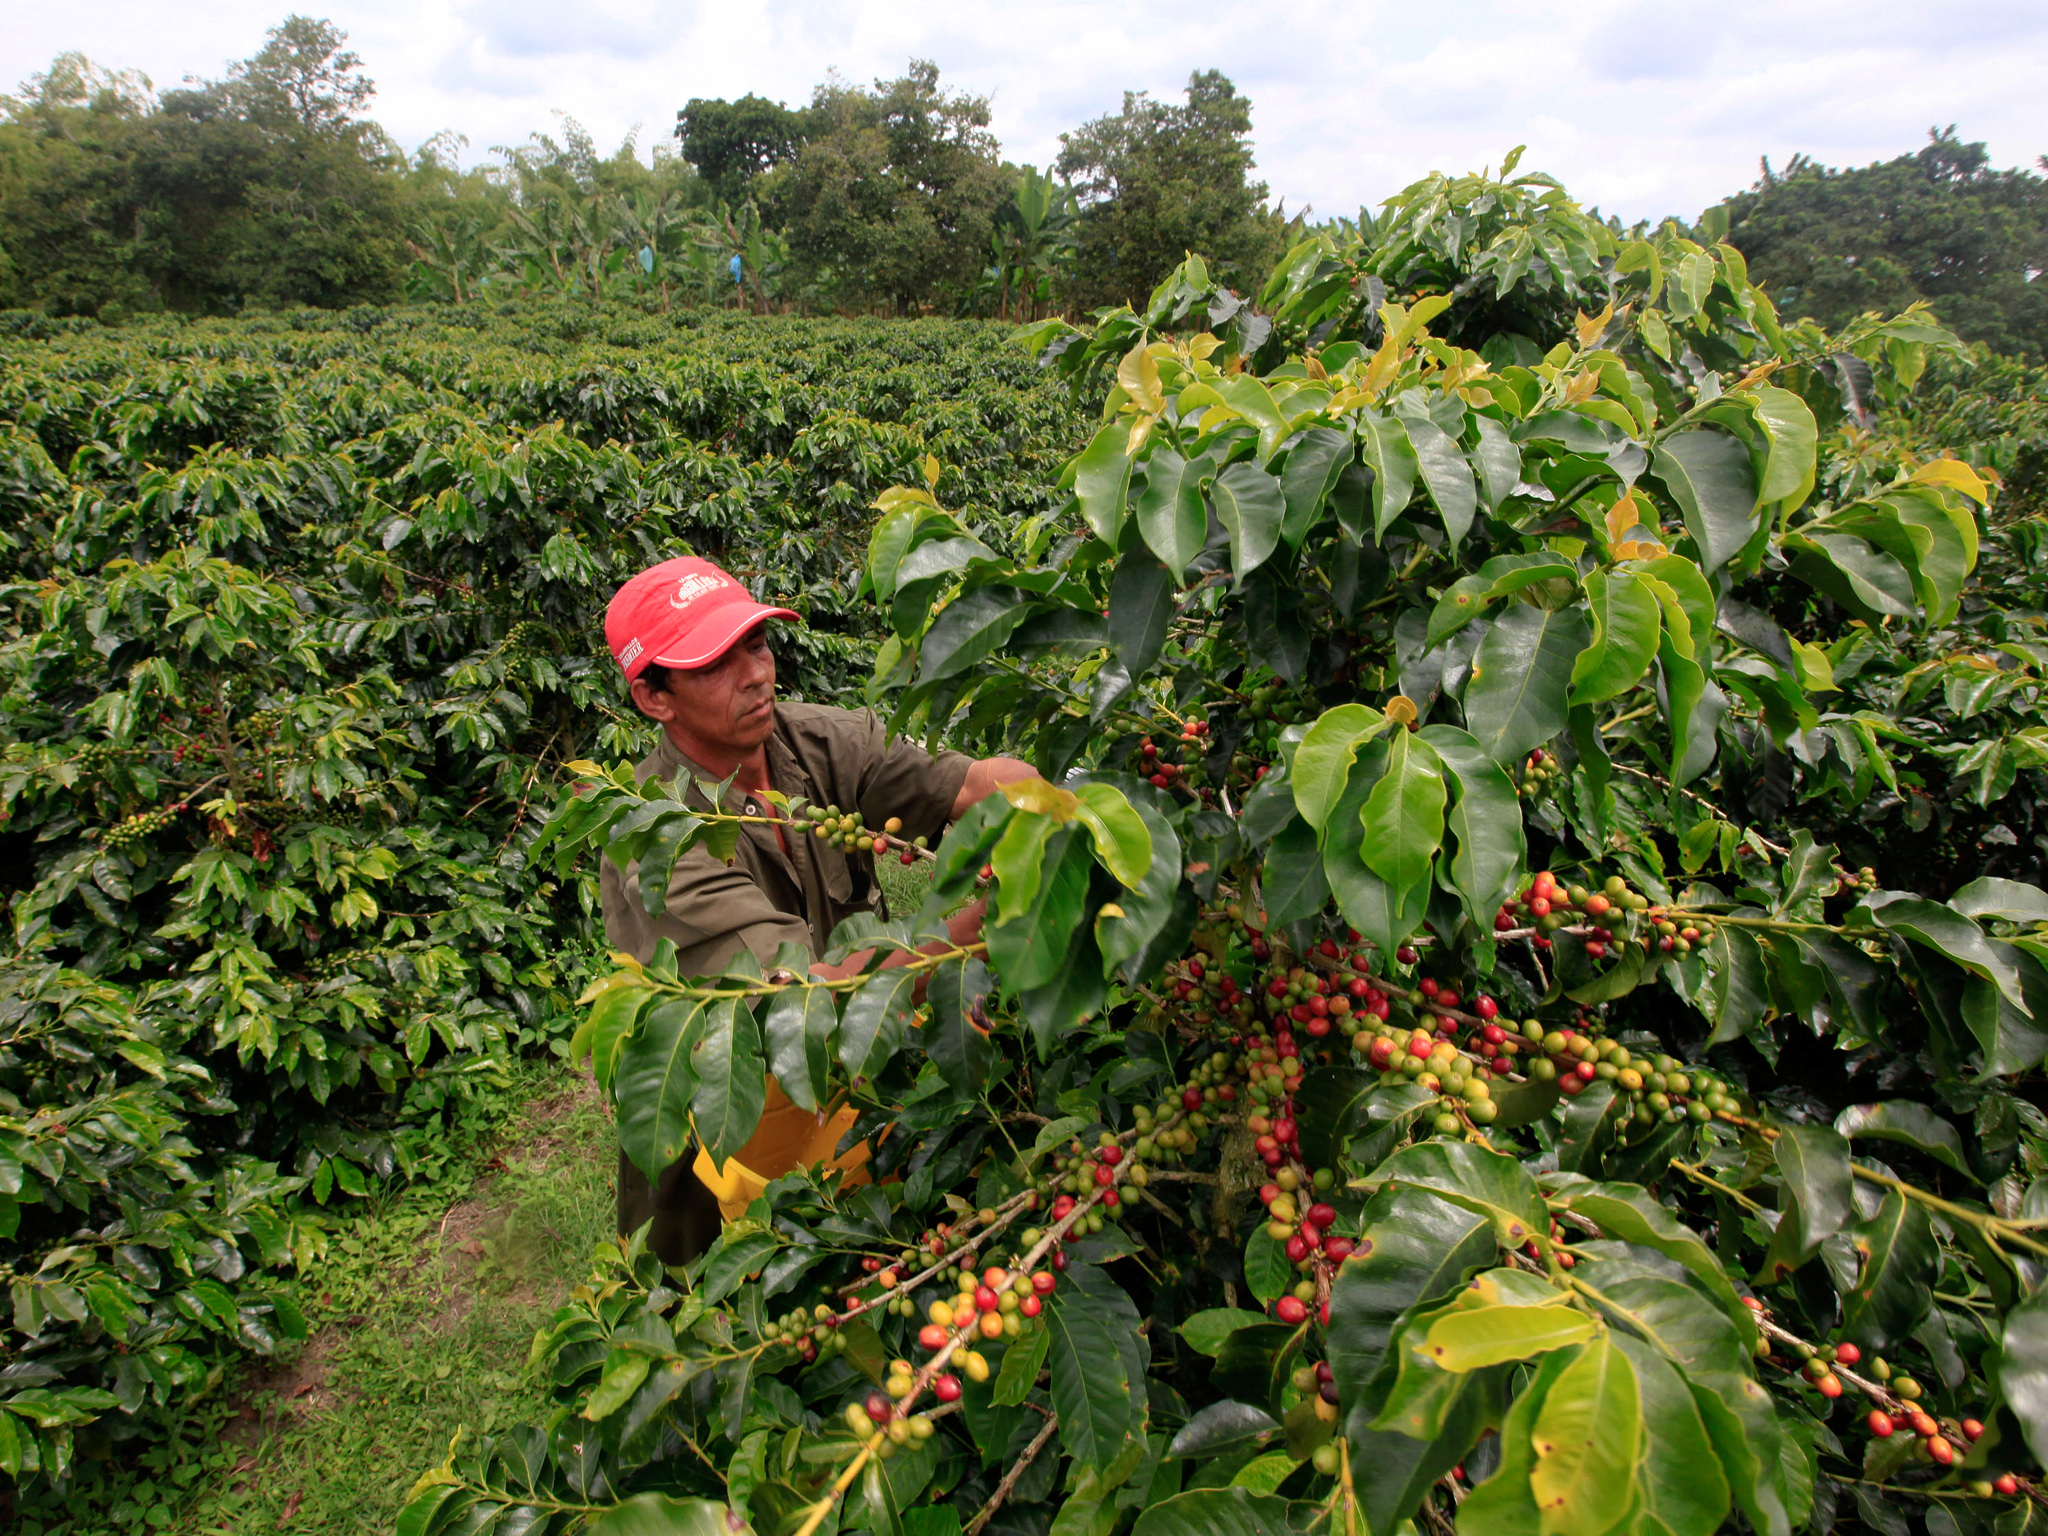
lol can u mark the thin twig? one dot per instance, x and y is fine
(987, 1511)
(1698, 799)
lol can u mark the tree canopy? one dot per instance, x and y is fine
(733, 142)
(894, 194)
(1158, 181)
(266, 187)
(1938, 224)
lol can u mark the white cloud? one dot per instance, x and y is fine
(1640, 106)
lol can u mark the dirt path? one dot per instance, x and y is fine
(428, 1312)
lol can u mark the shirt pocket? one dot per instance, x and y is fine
(846, 881)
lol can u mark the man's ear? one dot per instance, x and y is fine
(653, 702)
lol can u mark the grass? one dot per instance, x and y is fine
(904, 887)
(421, 1318)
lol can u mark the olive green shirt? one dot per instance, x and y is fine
(768, 896)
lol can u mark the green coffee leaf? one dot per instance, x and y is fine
(656, 1083)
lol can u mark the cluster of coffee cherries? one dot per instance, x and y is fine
(1268, 711)
(1318, 1382)
(126, 833)
(1565, 1259)
(1161, 769)
(1934, 1444)
(1817, 1365)
(997, 1303)
(849, 832)
(880, 1425)
(1546, 906)
(1301, 1222)
(1296, 1218)
(814, 1335)
(1539, 770)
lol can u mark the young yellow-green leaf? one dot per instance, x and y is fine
(1788, 422)
(1687, 600)
(1403, 817)
(1681, 1480)
(1322, 762)
(1266, 1473)
(1252, 400)
(615, 1008)
(1138, 376)
(623, 1372)
(1018, 861)
(1465, 1340)
(886, 547)
(1502, 1504)
(1586, 1437)
(1122, 841)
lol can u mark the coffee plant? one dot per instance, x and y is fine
(1516, 1003)
(299, 619)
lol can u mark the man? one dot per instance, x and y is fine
(693, 645)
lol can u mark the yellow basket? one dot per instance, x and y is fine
(787, 1138)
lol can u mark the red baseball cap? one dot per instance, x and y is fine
(681, 613)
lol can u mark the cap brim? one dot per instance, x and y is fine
(720, 640)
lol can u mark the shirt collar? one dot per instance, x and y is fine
(785, 774)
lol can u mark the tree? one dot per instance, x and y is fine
(893, 195)
(1158, 181)
(303, 72)
(1938, 225)
(69, 205)
(1033, 242)
(264, 188)
(733, 142)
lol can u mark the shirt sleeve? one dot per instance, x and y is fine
(900, 778)
(713, 910)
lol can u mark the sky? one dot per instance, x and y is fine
(1640, 107)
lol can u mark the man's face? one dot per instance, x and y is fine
(729, 704)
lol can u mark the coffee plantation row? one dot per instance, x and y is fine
(1516, 1004)
(302, 617)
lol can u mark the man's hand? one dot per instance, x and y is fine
(963, 926)
(986, 776)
